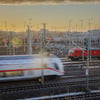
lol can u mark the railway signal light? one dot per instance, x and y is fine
(86, 43)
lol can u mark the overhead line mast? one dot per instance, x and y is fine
(43, 43)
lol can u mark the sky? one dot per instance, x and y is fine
(61, 15)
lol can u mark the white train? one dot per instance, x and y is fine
(25, 67)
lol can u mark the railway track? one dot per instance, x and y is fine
(94, 95)
(79, 67)
(28, 82)
(56, 87)
(67, 62)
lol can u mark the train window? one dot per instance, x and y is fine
(56, 66)
(71, 51)
(76, 51)
(2, 74)
(11, 74)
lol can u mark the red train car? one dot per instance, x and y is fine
(76, 54)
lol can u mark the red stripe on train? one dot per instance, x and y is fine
(30, 69)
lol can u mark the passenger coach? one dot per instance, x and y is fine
(25, 67)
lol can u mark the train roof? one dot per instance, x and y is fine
(23, 57)
(94, 49)
(16, 57)
(85, 49)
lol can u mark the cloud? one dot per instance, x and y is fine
(46, 1)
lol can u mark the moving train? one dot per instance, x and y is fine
(76, 53)
(26, 67)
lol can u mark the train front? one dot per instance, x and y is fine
(48, 65)
(70, 54)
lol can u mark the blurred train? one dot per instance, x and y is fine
(26, 67)
(76, 53)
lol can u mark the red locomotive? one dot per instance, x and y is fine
(76, 53)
